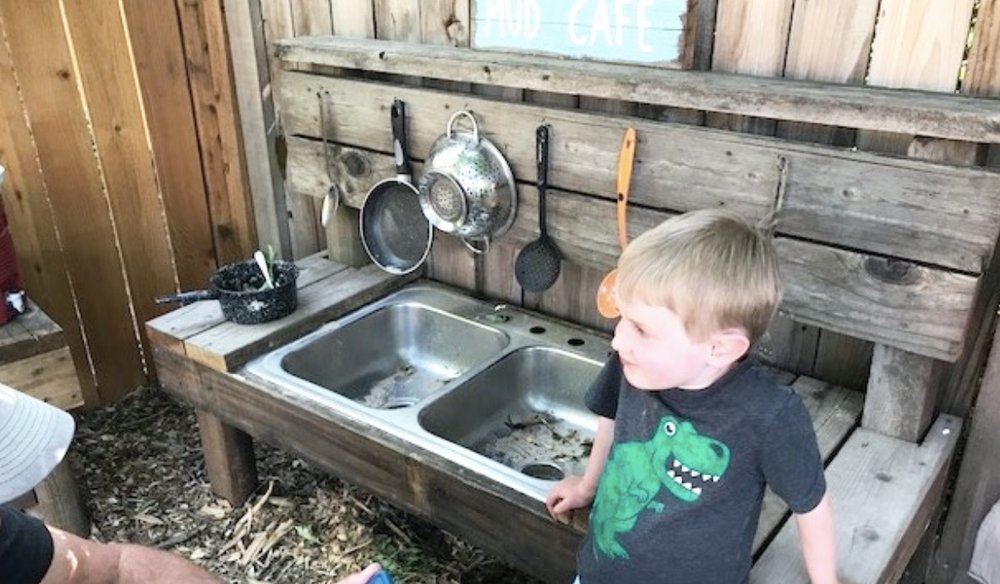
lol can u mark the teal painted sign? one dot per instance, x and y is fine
(643, 31)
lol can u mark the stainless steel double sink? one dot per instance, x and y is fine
(497, 389)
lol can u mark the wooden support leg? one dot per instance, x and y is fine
(902, 393)
(59, 502)
(229, 459)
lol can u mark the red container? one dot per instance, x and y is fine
(10, 279)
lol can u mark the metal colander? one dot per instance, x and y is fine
(468, 189)
(446, 197)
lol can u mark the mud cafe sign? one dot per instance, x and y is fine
(644, 31)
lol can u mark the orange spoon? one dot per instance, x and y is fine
(606, 304)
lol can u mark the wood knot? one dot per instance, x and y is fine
(355, 164)
(892, 271)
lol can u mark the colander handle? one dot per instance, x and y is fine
(469, 243)
(472, 120)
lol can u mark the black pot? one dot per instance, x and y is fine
(237, 287)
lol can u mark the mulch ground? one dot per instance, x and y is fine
(143, 477)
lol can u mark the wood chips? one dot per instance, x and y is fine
(142, 476)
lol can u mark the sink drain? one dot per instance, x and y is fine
(546, 471)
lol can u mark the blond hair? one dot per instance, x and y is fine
(712, 268)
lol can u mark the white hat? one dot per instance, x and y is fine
(34, 437)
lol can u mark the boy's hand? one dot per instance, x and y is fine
(568, 494)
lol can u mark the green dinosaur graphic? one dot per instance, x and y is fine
(676, 457)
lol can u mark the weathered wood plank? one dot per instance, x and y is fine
(48, 376)
(116, 118)
(43, 62)
(352, 18)
(917, 210)
(884, 491)
(750, 39)
(245, 31)
(155, 35)
(860, 107)
(207, 59)
(903, 305)
(41, 263)
(229, 345)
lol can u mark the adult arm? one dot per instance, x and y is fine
(81, 561)
(818, 541)
(575, 492)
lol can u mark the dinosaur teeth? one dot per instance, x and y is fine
(677, 463)
(695, 474)
(679, 481)
(715, 479)
(687, 486)
(684, 468)
(670, 473)
(697, 490)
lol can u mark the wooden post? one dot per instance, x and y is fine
(229, 459)
(59, 501)
(902, 393)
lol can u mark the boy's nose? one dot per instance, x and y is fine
(618, 340)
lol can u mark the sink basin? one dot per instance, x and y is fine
(394, 357)
(495, 389)
(525, 411)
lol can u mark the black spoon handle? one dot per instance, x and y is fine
(542, 158)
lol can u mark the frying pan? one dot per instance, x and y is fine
(394, 231)
(606, 303)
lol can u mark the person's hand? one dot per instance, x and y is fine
(568, 494)
(361, 577)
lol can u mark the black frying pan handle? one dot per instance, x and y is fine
(188, 297)
(399, 147)
(542, 158)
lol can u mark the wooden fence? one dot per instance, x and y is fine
(126, 168)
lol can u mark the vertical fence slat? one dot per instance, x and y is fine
(255, 115)
(58, 119)
(751, 37)
(100, 42)
(353, 18)
(207, 54)
(159, 58)
(32, 225)
(919, 45)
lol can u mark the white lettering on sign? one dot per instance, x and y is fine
(514, 18)
(628, 30)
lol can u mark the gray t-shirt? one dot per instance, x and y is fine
(680, 496)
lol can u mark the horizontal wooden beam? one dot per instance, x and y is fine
(892, 110)
(921, 211)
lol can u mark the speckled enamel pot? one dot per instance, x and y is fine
(237, 287)
(240, 296)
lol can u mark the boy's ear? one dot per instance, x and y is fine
(728, 346)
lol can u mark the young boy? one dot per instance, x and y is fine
(690, 431)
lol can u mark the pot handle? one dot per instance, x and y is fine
(472, 119)
(188, 297)
(469, 243)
